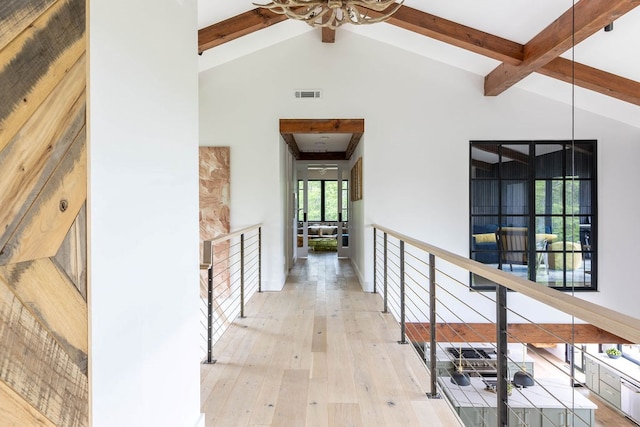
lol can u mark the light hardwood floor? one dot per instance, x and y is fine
(319, 353)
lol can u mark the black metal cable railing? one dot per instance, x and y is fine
(426, 290)
(234, 270)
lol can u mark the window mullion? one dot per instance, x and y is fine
(322, 205)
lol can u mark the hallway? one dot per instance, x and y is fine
(319, 353)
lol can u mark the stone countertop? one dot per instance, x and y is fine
(547, 393)
(623, 367)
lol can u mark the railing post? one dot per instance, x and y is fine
(259, 259)
(432, 327)
(501, 334)
(375, 263)
(210, 310)
(242, 275)
(402, 282)
(386, 299)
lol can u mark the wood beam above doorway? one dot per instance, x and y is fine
(331, 155)
(290, 127)
(321, 125)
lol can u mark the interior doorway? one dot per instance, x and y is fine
(322, 208)
(322, 145)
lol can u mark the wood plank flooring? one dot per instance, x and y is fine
(319, 353)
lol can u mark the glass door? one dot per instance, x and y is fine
(343, 212)
(302, 216)
(322, 209)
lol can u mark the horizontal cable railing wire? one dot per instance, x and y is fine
(233, 266)
(427, 302)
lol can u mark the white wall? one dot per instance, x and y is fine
(360, 246)
(143, 213)
(419, 118)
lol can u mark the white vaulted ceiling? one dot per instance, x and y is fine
(515, 20)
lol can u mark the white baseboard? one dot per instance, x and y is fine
(365, 287)
(200, 422)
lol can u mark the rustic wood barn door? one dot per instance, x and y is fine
(43, 190)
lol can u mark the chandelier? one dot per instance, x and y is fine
(332, 13)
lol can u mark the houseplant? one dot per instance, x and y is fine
(613, 352)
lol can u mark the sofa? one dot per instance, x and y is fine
(484, 244)
(318, 231)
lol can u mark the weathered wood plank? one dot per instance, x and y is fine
(48, 220)
(37, 149)
(33, 63)
(16, 15)
(51, 297)
(72, 254)
(290, 408)
(15, 412)
(37, 368)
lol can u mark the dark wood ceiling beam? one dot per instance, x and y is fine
(236, 27)
(593, 79)
(481, 165)
(456, 34)
(506, 152)
(353, 144)
(306, 155)
(572, 27)
(289, 127)
(328, 35)
(513, 53)
(321, 125)
(293, 145)
(547, 333)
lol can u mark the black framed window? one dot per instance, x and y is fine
(322, 199)
(533, 211)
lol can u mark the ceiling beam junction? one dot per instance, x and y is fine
(328, 35)
(572, 27)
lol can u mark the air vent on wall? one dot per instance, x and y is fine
(308, 94)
